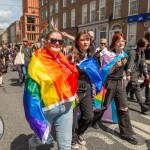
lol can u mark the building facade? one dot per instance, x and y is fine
(14, 32)
(103, 17)
(30, 20)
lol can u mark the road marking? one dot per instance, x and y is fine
(142, 126)
(125, 143)
(100, 136)
(146, 116)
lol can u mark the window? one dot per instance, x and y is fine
(117, 8)
(51, 9)
(133, 7)
(64, 20)
(33, 28)
(56, 7)
(84, 14)
(46, 14)
(148, 5)
(64, 3)
(30, 28)
(132, 34)
(73, 18)
(56, 22)
(103, 32)
(102, 9)
(73, 1)
(92, 11)
(42, 3)
(30, 20)
(42, 17)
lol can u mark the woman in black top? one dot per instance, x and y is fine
(115, 87)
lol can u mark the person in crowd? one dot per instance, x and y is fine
(66, 35)
(93, 43)
(50, 88)
(3, 69)
(34, 48)
(42, 43)
(18, 66)
(100, 51)
(81, 54)
(27, 51)
(136, 66)
(112, 77)
(5, 53)
(147, 57)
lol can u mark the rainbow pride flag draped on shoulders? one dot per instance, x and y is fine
(109, 59)
(49, 82)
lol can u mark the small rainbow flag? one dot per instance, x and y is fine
(44, 26)
(47, 85)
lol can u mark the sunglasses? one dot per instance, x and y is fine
(54, 41)
(103, 43)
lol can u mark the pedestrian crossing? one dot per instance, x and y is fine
(142, 130)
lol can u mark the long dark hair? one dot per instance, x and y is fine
(78, 54)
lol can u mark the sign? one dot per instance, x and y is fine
(146, 24)
(132, 19)
(141, 17)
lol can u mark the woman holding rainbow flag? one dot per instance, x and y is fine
(50, 88)
(114, 86)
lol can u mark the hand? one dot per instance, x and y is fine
(128, 77)
(77, 99)
(94, 93)
(118, 63)
(64, 34)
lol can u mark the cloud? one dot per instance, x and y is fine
(5, 16)
(10, 11)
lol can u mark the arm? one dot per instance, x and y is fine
(68, 36)
(130, 62)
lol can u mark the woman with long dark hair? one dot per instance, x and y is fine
(81, 53)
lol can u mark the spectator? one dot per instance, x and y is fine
(136, 66)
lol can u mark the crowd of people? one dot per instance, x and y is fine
(61, 83)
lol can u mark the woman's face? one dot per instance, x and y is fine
(120, 44)
(83, 42)
(102, 44)
(55, 42)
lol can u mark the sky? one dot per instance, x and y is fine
(10, 11)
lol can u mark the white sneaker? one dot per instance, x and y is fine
(81, 140)
(31, 148)
(75, 145)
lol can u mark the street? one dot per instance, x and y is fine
(17, 131)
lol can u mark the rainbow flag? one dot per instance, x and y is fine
(110, 114)
(48, 84)
(44, 26)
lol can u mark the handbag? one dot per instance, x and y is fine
(19, 60)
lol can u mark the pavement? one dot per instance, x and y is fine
(17, 131)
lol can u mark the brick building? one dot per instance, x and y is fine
(30, 20)
(14, 32)
(103, 17)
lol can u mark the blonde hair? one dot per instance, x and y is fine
(103, 39)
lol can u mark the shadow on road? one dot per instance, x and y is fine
(148, 144)
(21, 143)
(14, 82)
